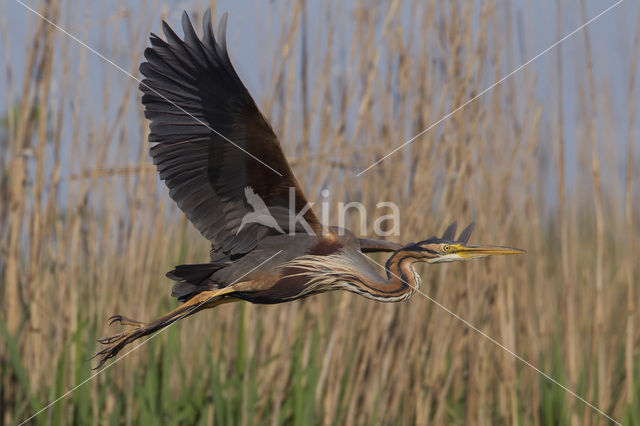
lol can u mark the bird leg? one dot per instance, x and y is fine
(201, 301)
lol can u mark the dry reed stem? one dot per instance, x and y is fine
(599, 313)
(629, 221)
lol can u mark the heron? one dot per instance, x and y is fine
(227, 172)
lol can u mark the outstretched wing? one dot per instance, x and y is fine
(211, 139)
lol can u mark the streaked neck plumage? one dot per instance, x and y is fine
(340, 272)
(401, 282)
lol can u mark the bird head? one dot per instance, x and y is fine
(449, 249)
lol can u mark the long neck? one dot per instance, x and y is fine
(340, 272)
(400, 271)
(402, 279)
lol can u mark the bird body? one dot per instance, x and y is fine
(312, 265)
(305, 265)
(226, 171)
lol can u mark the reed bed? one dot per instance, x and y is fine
(87, 230)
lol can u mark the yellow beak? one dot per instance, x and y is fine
(468, 252)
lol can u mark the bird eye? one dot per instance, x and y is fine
(446, 248)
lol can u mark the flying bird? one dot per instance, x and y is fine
(218, 156)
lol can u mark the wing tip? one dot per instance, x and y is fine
(221, 32)
(185, 21)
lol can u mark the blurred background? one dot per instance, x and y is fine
(546, 161)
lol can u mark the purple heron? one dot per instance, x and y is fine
(222, 163)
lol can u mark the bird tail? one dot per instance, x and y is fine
(193, 279)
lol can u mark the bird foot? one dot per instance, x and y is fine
(126, 321)
(115, 343)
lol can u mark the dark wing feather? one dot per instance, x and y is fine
(371, 246)
(210, 135)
